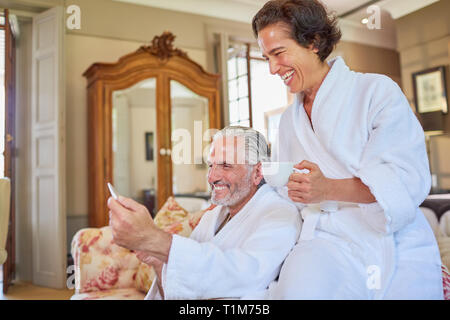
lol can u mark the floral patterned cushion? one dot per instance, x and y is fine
(446, 282)
(144, 277)
(100, 264)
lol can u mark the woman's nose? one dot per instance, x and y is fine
(273, 67)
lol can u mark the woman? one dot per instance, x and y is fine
(364, 149)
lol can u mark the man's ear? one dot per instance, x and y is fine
(258, 174)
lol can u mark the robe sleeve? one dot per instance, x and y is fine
(198, 270)
(394, 163)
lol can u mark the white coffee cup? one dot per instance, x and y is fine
(277, 174)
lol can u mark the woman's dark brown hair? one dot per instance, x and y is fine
(308, 21)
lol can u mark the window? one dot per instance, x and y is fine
(251, 101)
(238, 86)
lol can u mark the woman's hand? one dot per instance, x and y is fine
(314, 187)
(308, 188)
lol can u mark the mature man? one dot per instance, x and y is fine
(237, 248)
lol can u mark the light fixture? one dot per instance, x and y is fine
(364, 21)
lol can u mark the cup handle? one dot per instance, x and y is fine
(300, 171)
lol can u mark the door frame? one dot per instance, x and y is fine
(9, 267)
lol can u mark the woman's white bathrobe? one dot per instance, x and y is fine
(246, 255)
(362, 126)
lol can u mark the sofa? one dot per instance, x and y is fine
(106, 271)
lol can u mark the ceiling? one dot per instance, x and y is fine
(244, 10)
(339, 6)
(350, 12)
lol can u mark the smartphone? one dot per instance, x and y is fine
(113, 191)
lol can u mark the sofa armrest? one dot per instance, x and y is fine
(99, 263)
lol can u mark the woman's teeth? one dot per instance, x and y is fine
(287, 76)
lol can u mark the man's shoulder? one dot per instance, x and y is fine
(276, 202)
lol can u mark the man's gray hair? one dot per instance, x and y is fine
(256, 148)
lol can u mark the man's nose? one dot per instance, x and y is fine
(213, 174)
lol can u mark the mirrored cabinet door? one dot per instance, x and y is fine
(133, 144)
(189, 123)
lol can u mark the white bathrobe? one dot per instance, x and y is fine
(362, 126)
(245, 256)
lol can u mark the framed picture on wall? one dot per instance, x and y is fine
(149, 146)
(430, 90)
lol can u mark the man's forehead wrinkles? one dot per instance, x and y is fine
(229, 149)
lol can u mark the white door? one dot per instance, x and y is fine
(48, 150)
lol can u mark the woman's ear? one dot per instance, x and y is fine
(313, 48)
(314, 44)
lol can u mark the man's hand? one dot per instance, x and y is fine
(134, 229)
(149, 259)
(308, 188)
(156, 264)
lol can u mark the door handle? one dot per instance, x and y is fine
(165, 152)
(9, 138)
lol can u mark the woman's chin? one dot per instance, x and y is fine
(294, 90)
(293, 86)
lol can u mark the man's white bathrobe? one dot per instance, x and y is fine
(246, 255)
(362, 126)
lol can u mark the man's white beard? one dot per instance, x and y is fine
(238, 195)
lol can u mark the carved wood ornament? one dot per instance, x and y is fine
(162, 47)
(161, 61)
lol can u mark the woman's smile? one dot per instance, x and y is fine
(287, 77)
